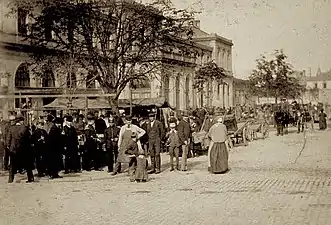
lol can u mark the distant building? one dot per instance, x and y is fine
(319, 88)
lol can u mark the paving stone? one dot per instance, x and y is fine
(264, 186)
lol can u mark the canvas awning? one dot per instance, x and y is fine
(102, 103)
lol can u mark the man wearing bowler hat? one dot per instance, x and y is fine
(155, 133)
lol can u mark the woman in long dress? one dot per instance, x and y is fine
(322, 120)
(217, 153)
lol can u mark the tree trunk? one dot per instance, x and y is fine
(113, 102)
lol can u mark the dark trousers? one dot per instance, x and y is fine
(174, 152)
(71, 161)
(154, 151)
(97, 157)
(301, 126)
(132, 168)
(40, 161)
(280, 129)
(112, 154)
(53, 164)
(15, 163)
(285, 127)
(6, 159)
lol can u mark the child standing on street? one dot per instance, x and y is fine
(141, 174)
(132, 152)
(173, 144)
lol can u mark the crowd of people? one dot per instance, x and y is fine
(299, 116)
(75, 143)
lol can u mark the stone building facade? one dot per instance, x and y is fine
(174, 83)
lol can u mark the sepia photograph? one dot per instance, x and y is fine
(172, 112)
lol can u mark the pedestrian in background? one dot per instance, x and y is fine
(322, 120)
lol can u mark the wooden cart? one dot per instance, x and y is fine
(256, 127)
(236, 131)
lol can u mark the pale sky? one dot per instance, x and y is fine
(301, 28)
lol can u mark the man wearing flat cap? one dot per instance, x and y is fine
(155, 133)
(19, 145)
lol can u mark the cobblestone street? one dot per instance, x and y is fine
(264, 186)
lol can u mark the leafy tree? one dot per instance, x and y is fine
(119, 42)
(272, 78)
(208, 73)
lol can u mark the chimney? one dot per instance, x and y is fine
(197, 24)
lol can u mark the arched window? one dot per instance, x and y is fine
(22, 76)
(47, 79)
(71, 81)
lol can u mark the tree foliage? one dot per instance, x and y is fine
(119, 42)
(208, 72)
(273, 78)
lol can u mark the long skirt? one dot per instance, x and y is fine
(219, 157)
(141, 169)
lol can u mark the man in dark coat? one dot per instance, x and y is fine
(38, 141)
(279, 119)
(19, 145)
(111, 140)
(184, 134)
(90, 145)
(70, 147)
(155, 133)
(6, 127)
(100, 127)
(55, 149)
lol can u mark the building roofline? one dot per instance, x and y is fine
(214, 37)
